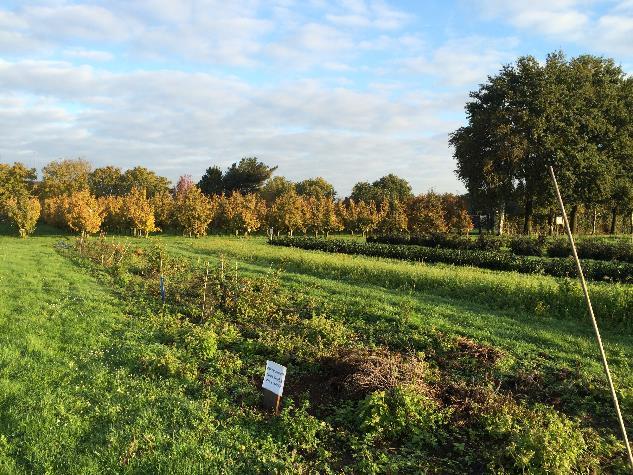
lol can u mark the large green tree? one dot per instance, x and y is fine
(530, 115)
(275, 187)
(107, 181)
(65, 177)
(247, 176)
(316, 187)
(143, 178)
(211, 182)
(388, 188)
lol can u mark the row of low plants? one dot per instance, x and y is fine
(588, 248)
(495, 260)
(538, 295)
(363, 395)
(484, 242)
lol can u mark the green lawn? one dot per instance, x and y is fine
(73, 400)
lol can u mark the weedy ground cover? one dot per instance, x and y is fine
(382, 377)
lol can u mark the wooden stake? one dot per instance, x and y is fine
(581, 276)
(204, 291)
(271, 401)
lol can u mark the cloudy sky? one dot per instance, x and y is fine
(346, 89)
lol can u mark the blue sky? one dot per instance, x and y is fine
(348, 90)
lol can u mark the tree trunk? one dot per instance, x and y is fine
(550, 222)
(502, 218)
(614, 217)
(527, 222)
(594, 220)
(573, 222)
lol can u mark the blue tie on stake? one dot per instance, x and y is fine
(162, 289)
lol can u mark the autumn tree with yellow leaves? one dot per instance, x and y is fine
(23, 212)
(321, 216)
(455, 214)
(393, 217)
(138, 212)
(287, 214)
(164, 207)
(54, 211)
(114, 219)
(426, 214)
(366, 217)
(240, 213)
(83, 213)
(193, 212)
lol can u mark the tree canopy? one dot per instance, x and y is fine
(316, 187)
(65, 177)
(571, 114)
(275, 187)
(390, 188)
(246, 176)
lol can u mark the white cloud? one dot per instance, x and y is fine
(602, 27)
(179, 122)
(462, 61)
(88, 55)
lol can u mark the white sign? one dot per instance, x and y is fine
(559, 220)
(274, 378)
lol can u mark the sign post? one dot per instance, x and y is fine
(273, 385)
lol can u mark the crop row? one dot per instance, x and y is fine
(520, 245)
(494, 260)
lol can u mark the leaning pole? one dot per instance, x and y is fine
(583, 283)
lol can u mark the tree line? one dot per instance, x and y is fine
(244, 199)
(573, 114)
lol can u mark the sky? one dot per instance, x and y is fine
(349, 90)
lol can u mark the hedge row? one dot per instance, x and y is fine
(494, 260)
(484, 242)
(521, 245)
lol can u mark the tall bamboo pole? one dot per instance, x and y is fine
(583, 283)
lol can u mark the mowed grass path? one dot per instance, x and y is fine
(67, 403)
(70, 404)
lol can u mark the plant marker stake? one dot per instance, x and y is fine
(162, 283)
(273, 385)
(593, 319)
(204, 292)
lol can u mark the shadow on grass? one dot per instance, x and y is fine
(42, 230)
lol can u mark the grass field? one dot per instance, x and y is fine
(76, 395)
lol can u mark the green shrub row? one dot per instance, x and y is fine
(494, 260)
(521, 245)
(448, 241)
(560, 247)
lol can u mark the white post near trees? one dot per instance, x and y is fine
(581, 276)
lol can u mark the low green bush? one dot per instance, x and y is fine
(527, 246)
(443, 240)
